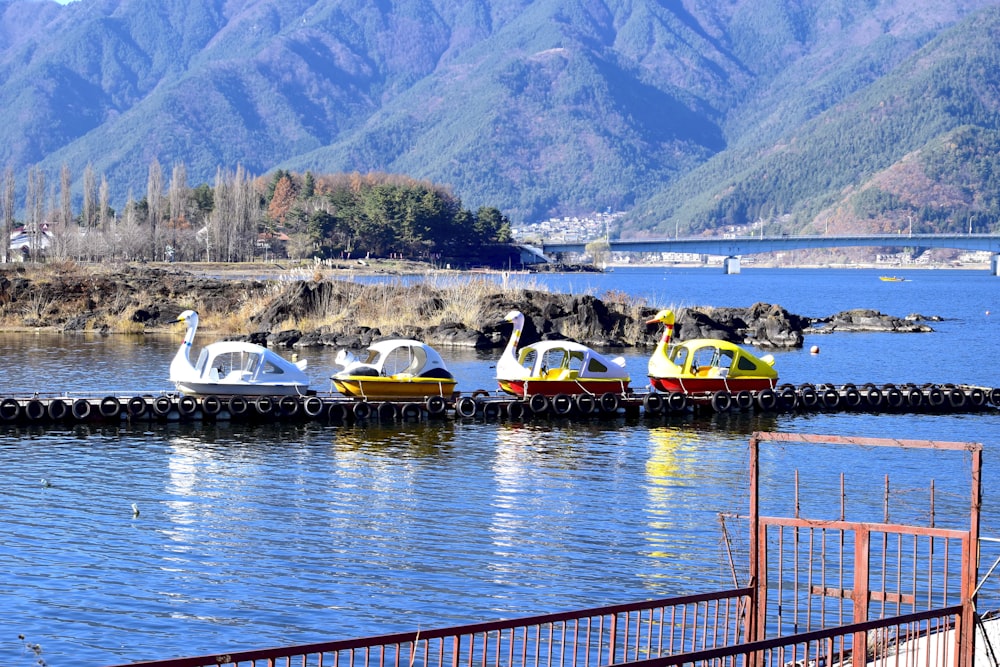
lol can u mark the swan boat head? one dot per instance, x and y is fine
(509, 367)
(660, 363)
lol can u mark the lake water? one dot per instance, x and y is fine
(258, 535)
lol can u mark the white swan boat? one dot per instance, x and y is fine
(555, 367)
(229, 368)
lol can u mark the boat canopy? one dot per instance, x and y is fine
(559, 360)
(394, 358)
(243, 362)
(716, 358)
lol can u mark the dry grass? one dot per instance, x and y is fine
(111, 297)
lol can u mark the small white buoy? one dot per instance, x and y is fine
(46, 483)
(814, 349)
(135, 510)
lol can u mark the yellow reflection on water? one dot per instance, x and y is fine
(672, 454)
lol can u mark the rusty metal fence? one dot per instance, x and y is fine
(586, 638)
(922, 639)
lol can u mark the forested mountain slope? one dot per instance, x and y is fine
(684, 113)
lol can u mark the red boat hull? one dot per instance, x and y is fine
(524, 388)
(710, 385)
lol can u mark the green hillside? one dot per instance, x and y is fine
(870, 161)
(687, 116)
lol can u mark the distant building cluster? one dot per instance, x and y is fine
(568, 229)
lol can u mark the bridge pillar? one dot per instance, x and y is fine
(995, 264)
(731, 265)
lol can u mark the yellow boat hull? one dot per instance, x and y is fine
(390, 388)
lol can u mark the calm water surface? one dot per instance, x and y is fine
(252, 535)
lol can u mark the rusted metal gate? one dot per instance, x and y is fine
(814, 574)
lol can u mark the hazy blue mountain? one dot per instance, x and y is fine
(680, 112)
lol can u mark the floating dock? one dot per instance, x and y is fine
(482, 405)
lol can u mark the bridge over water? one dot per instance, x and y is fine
(734, 248)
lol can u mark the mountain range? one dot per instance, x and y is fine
(689, 115)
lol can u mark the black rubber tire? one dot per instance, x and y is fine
(872, 396)
(263, 405)
(237, 406)
(34, 410)
(515, 410)
(561, 404)
(313, 407)
(808, 398)
(893, 397)
(162, 405)
(361, 410)
(57, 409)
(977, 397)
(995, 396)
(743, 400)
(956, 398)
(830, 399)
(387, 412)
(767, 400)
(721, 401)
(465, 407)
(538, 404)
(211, 405)
(609, 403)
(187, 406)
(914, 398)
(676, 401)
(411, 411)
(80, 409)
(491, 410)
(10, 409)
(652, 403)
(586, 404)
(136, 406)
(110, 407)
(435, 405)
(787, 398)
(288, 406)
(935, 397)
(338, 412)
(852, 397)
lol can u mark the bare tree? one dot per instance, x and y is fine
(88, 216)
(231, 228)
(177, 195)
(133, 241)
(248, 213)
(154, 200)
(61, 223)
(7, 210)
(103, 203)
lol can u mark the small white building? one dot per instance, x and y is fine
(22, 239)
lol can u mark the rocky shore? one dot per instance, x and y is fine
(303, 311)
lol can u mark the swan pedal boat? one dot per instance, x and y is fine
(557, 367)
(702, 366)
(234, 368)
(394, 369)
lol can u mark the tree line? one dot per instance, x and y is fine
(241, 217)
